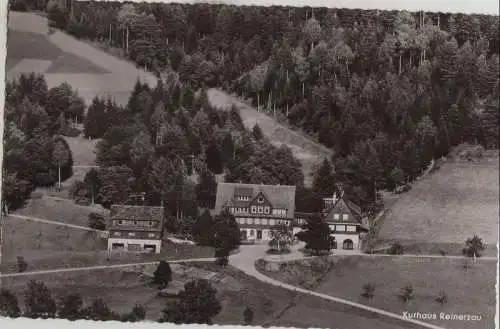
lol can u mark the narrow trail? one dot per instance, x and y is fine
(100, 267)
(51, 222)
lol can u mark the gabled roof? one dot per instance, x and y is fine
(342, 205)
(243, 191)
(136, 213)
(280, 196)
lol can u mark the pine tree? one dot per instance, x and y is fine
(38, 301)
(163, 274)
(214, 162)
(257, 132)
(317, 236)
(323, 182)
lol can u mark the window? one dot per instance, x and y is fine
(250, 221)
(120, 222)
(266, 210)
(264, 221)
(260, 199)
(260, 209)
(252, 232)
(116, 233)
(351, 228)
(271, 221)
(257, 221)
(241, 220)
(336, 216)
(254, 209)
(131, 234)
(150, 223)
(135, 222)
(345, 217)
(340, 228)
(151, 235)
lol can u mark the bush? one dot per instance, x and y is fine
(396, 249)
(248, 316)
(21, 264)
(18, 5)
(281, 251)
(72, 132)
(57, 16)
(162, 274)
(97, 221)
(222, 257)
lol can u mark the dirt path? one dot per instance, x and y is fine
(101, 267)
(51, 222)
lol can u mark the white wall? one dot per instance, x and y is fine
(341, 237)
(266, 234)
(126, 242)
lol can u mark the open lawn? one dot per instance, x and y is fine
(65, 211)
(445, 208)
(30, 45)
(469, 292)
(82, 150)
(62, 58)
(48, 246)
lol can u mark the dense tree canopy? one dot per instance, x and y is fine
(421, 82)
(35, 153)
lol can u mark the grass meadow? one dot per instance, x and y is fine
(447, 207)
(469, 291)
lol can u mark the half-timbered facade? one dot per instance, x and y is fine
(135, 228)
(258, 209)
(344, 219)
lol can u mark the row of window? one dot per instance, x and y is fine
(257, 210)
(343, 228)
(138, 223)
(132, 234)
(345, 217)
(243, 198)
(262, 221)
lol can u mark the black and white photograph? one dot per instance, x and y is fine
(252, 165)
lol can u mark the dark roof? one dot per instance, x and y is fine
(354, 208)
(340, 207)
(135, 228)
(136, 213)
(280, 196)
(243, 191)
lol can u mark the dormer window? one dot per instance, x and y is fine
(260, 199)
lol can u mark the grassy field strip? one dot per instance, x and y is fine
(102, 267)
(418, 256)
(45, 221)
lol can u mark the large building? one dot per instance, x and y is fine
(135, 228)
(258, 209)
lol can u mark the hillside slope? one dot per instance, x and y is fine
(307, 151)
(447, 207)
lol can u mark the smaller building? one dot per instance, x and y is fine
(344, 219)
(135, 228)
